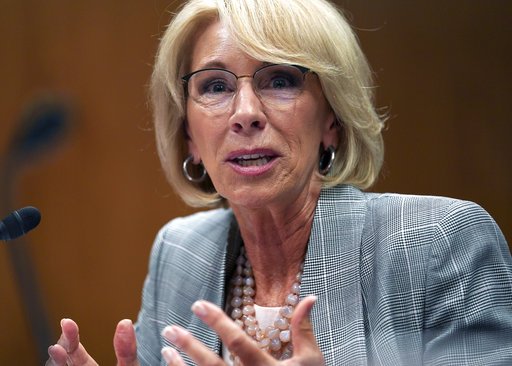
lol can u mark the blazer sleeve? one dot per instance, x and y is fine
(468, 302)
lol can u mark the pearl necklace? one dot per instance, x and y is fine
(274, 339)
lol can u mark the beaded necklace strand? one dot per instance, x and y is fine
(274, 339)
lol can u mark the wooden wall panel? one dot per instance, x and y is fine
(101, 190)
(443, 69)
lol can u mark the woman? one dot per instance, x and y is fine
(264, 110)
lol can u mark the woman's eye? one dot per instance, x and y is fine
(279, 81)
(214, 87)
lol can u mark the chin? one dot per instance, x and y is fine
(250, 198)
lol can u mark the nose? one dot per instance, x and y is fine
(248, 116)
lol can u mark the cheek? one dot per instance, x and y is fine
(197, 126)
(307, 124)
(322, 120)
(205, 134)
(193, 121)
(196, 135)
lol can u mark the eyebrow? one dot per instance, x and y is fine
(212, 64)
(213, 60)
(215, 63)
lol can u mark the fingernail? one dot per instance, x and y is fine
(199, 309)
(125, 323)
(170, 333)
(169, 354)
(313, 302)
(63, 320)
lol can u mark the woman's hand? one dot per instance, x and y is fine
(69, 351)
(305, 348)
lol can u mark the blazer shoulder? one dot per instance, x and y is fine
(417, 219)
(204, 223)
(200, 235)
(432, 209)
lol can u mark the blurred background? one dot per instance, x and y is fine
(76, 141)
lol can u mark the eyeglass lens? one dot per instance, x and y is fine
(215, 88)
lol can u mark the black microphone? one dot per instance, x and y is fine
(19, 222)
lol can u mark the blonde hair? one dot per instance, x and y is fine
(311, 33)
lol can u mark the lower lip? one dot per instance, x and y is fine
(252, 171)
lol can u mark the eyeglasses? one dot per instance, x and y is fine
(214, 88)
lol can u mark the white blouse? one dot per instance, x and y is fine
(265, 317)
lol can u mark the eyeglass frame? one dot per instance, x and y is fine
(186, 78)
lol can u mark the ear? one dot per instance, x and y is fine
(331, 133)
(192, 147)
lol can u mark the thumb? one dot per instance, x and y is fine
(125, 344)
(303, 338)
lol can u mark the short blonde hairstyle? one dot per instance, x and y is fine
(311, 33)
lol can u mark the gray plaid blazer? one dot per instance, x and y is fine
(400, 280)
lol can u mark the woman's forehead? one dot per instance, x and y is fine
(216, 47)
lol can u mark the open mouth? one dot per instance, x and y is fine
(252, 160)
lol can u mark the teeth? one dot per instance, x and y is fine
(252, 160)
(255, 161)
(252, 156)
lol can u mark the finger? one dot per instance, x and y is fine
(70, 342)
(303, 338)
(58, 356)
(125, 344)
(233, 337)
(172, 357)
(187, 343)
(69, 338)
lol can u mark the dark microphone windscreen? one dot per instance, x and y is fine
(43, 123)
(19, 222)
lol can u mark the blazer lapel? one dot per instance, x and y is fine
(332, 273)
(218, 277)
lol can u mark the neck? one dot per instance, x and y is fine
(275, 242)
